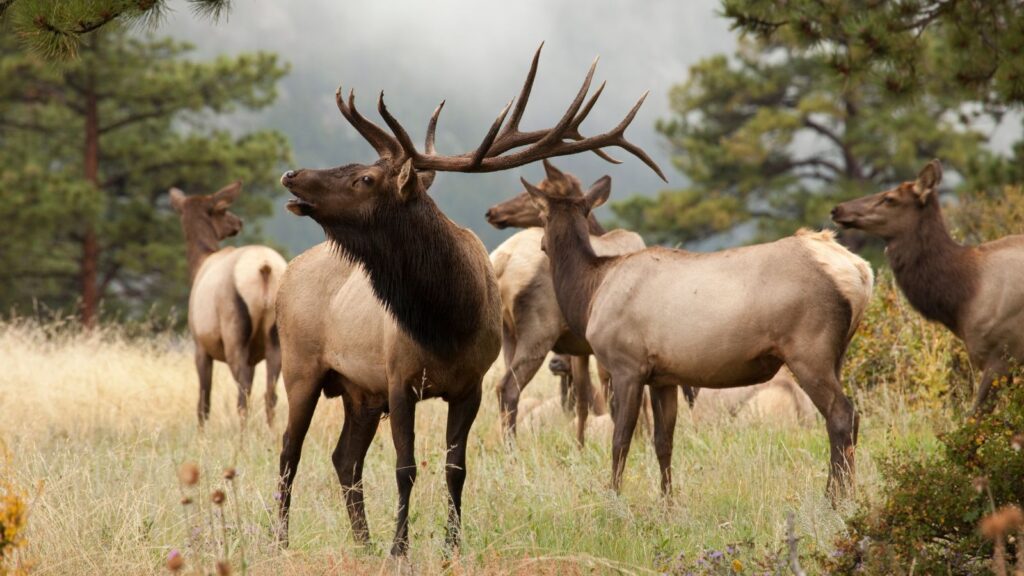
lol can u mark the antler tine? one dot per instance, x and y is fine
(620, 138)
(402, 136)
(385, 144)
(563, 139)
(524, 96)
(428, 146)
(574, 128)
(488, 140)
(556, 133)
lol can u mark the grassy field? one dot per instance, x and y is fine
(96, 427)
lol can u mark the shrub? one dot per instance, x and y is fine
(929, 514)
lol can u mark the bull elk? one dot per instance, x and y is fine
(231, 307)
(670, 318)
(975, 291)
(401, 304)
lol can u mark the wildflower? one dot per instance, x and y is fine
(217, 497)
(175, 562)
(223, 568)
(229, 473)
(188, 474)
(737, 566)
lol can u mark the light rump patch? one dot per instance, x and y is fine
(854, 282)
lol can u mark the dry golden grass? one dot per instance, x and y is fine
(105, 422)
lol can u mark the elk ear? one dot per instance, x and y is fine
(407, 180)
(928, 180)
(426, 178)
(552, 172)
(228, 194)
(599, 192)
(177, 200)
(537, 196)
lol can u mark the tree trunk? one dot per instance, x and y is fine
(90, 243)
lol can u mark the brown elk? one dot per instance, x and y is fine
(231, 308)
(975, 291)
(401, 304)
(532, 323)
(671, 318)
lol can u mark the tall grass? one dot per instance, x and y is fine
(105, 421)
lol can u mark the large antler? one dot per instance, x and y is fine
(561, 140)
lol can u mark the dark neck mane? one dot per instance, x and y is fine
(575, 269)
(420, 269)
(937, 275)
(200, 241)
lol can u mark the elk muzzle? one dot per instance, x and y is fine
(298, 205)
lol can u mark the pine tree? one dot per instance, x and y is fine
(892, 42)
(55, 28)
(774, 136)
(88, 150)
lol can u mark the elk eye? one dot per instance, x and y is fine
(889, 200)
(368, 180)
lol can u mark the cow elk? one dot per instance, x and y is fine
(401, 304)
(669, 318)
(231, 307)
(975, 291)
(532, 324)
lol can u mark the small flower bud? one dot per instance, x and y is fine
(188, 474)
(218, 497)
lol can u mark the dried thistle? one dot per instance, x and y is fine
(175, 562)
(229, 474)
(218, 497)
(186, 500)
(1017, 442)
(223, 568)
(188, 474)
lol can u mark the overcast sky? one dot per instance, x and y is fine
(474, 55)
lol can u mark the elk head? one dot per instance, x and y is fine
(520, 211)
(563, 206)
(356, 197)
(892, 212)
(208, 216)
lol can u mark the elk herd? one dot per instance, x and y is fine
(400, 304)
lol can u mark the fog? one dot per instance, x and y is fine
(475, 56)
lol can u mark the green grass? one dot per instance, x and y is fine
(103, 423)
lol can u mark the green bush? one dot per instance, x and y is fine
(929, 514)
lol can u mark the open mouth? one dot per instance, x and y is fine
(300, 207)
(845, 222)
(497, 222)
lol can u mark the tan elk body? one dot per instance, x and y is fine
(231, 306)
(975, 291)
(401, 304)
(668, 318)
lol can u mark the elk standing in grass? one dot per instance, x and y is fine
(975, 291)
(532, 325)
(231, 308)
(669, 318)
(400, 304)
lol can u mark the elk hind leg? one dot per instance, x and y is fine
(820, 380)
